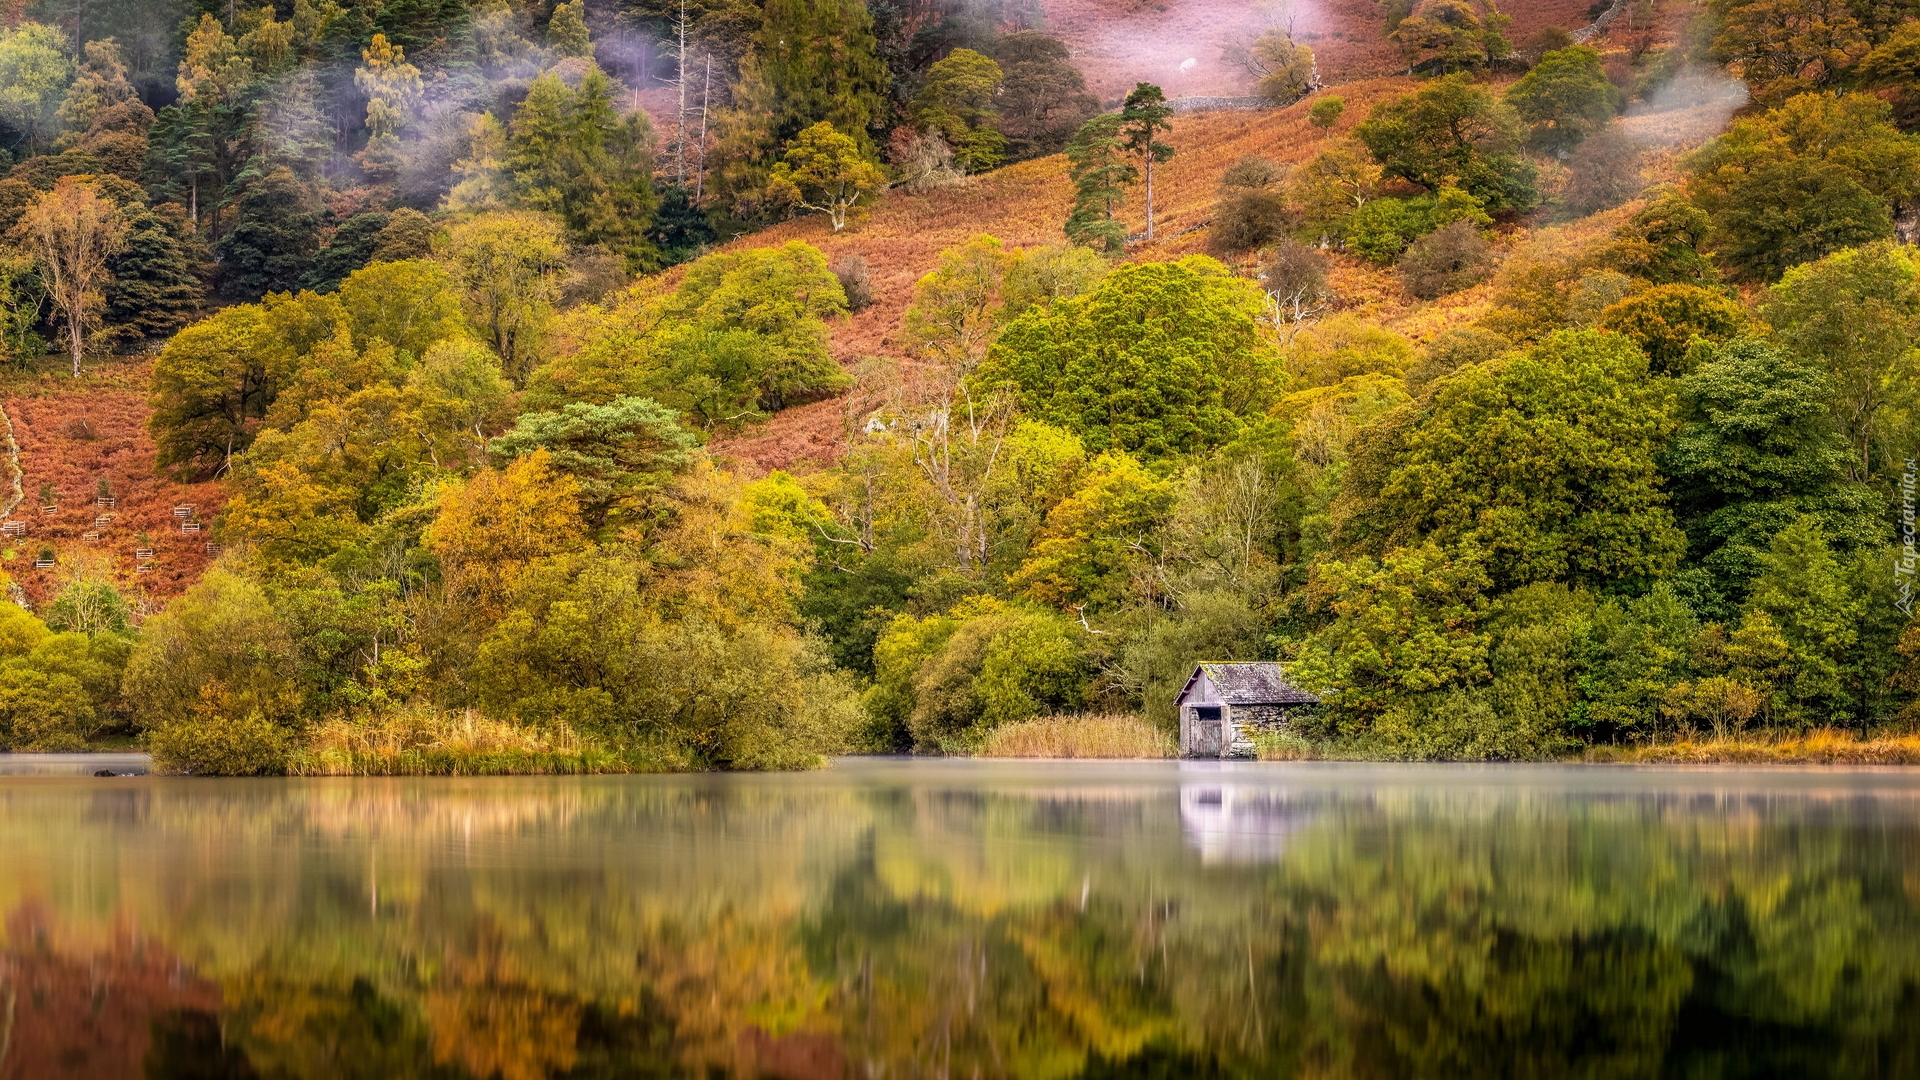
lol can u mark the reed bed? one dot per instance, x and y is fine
(1088, 735)
(1822, 747)
(432, 742)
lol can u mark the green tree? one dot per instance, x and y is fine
(1543, 460)
(1406, 624)
(1802, 589)
(1100, 173)
(1453, 131)
(1856, 314)
(272, 241)
(1759, 450)
(826, 172)
(1666, 319)
(572, 154)
(957, 100)
(1043, 98)
(811, 62)
(1564, 98)
(349, 249)
(1143, 116)
(1159, 359)
(957, 309)
(219, 651)
(618, 453)
(35, 71)
(1327, 111)
(1816, 175)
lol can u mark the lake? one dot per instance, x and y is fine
(900, 919)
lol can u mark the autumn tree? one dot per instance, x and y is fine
(826, 172)
(509, 266)
(1282, 68)
(1564, 98)
(957, 309)
(811, 62)
(957, 100)
(1043, 98)
(73, 232)
(391, 85)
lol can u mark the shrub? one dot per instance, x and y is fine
(855, 280)
(1327, 111)
(42, 711)
(1296, 277)
(1453, 258)
(1603, 172)
(221, 746)
(1095, 735)
(1246, 219)
(1454, 349)
(1253, 171)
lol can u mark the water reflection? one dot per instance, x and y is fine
(961, 920)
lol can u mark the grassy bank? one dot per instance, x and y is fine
(406, 742)
(1814, 748)
(1097, 735)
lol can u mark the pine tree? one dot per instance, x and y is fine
(273, 239)
(350, 249)
(1100, 173)
(1144, 115)
(156, 287)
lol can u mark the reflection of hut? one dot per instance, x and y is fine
(1223, 705)
(1235, 824)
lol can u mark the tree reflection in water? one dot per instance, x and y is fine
(942, 920)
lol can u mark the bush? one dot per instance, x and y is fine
(42, 711)
(1297, 276)
(1327, 111)
(1097, 735)
(855, 280)
(221, 746)
(1603, 172)
(1247, 219)
(1454, 349)
(1454, 258)
(1253, 171)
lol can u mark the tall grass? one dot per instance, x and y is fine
(434, 742)
(1089, 735)
(1822, 747)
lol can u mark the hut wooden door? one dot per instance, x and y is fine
(1207, 740)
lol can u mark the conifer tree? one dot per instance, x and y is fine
(273, 239)
(1099, 173)
(156, 288)
(812, 61)
(571, 153)
(1142, 118)
(567, 30)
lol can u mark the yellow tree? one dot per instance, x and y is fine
(391, 85)
(72, 232)
(826, 172)
(488, 531)
(509, 266)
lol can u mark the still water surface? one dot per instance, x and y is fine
(967, 919)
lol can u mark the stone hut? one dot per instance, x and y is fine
(1224, 705)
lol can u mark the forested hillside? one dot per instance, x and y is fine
(639, 385)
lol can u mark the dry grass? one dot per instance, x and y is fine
(433, 742)
(1823, 747)
(1087, 735)
(75, 432)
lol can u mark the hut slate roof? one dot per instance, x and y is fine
(1261, 683)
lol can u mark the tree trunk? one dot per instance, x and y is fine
(1149, 188)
